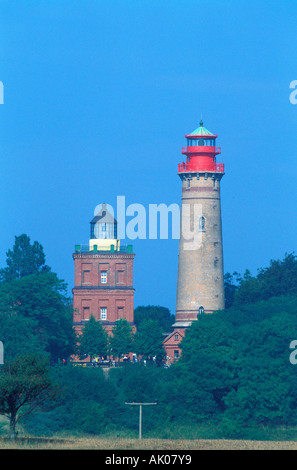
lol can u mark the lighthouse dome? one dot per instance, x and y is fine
(201, 137)
(103, 225)
(202, 131)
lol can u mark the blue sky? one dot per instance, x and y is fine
(98, 97)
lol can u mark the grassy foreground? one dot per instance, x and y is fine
(143, 444)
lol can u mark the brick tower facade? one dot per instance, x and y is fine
(103, 285)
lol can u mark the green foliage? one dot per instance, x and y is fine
(161, 315)
(139, 383)
(279, 278)
(234, 374)
(41, 299)
(24, 259)
(24, 385)
(148, 341)
(93, 340)
(241, 357)
(121, 341)
(20, 336)
(88, 403)
(205, 373)
(183, 400)
(231, 284)
(89, 417)
(234, 377)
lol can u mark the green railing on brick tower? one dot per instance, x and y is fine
(98, 248)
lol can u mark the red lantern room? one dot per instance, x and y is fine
(201, 152)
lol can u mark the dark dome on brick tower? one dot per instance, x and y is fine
(103, 225)
(200, 286)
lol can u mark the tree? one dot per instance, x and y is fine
(236, 364)
(148, 341)
(93, 341)
(25, 384)
(20, 336)
(87, 403)
(279, 278)
(161, 315)
(209, 361)
(121, 340)
(24, 259)
(41, 298)
(231, 284)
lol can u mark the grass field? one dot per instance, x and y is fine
(182, 437)
(143, 444)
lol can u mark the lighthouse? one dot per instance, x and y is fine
(200, 282)
(103, 276)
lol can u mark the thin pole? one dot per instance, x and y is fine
(140, 415)
(140, 420)
(1, 353)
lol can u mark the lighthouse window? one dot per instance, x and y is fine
(201, 310)
(103, 313)
(103, 277)
(105, 230)
(202, 224)
(200, 142)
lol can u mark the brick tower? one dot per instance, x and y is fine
(103, 285)
(200, 284)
